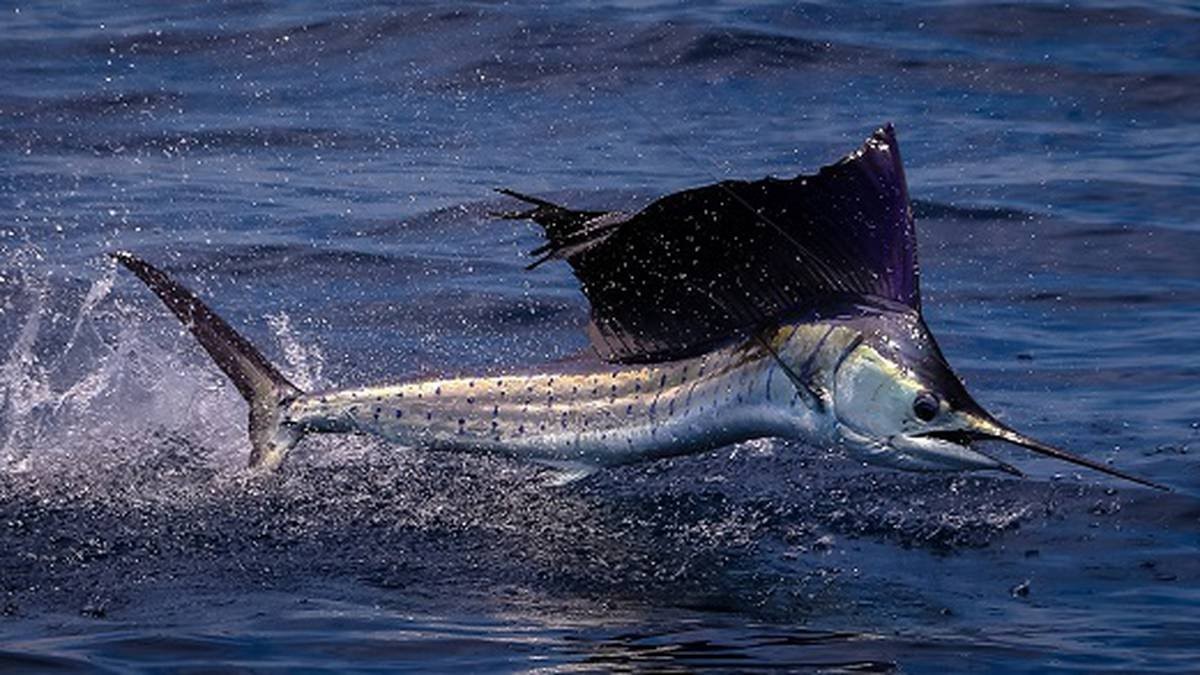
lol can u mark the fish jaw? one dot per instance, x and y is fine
(916, 453)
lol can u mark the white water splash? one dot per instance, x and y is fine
(85, 376)
(305, 363)
(23, 382)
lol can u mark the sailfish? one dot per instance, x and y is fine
(786, 308)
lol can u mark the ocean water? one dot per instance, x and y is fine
(323, 174)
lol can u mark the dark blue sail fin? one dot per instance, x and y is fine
(567, 230)
(718, 262)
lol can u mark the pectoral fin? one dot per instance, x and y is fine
(565, 473)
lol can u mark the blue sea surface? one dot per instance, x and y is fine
(323, 174)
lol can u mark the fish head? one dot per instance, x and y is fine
(897, 402)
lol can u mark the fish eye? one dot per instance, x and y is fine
(925, 406)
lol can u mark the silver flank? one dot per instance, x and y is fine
(601, 418)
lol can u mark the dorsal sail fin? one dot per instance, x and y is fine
(714, 263)
(567, 230)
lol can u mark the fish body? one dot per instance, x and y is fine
(740, 310)
(611, 416)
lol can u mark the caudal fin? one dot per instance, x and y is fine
(264, 388)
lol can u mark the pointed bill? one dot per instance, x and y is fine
(988, 428)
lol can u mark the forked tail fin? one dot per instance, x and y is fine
(266, 390)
